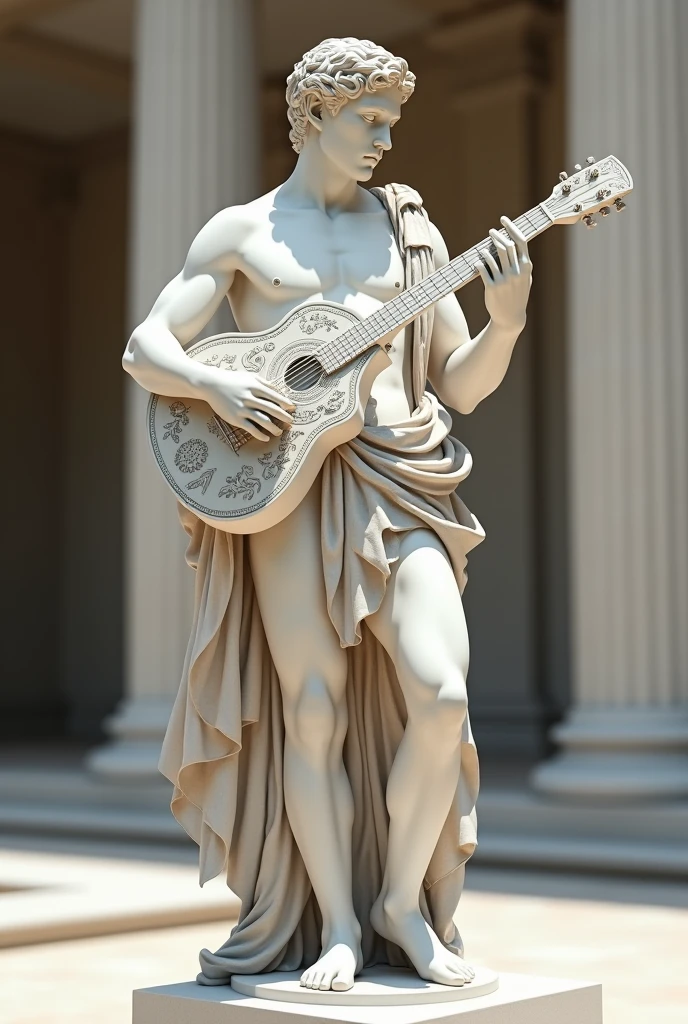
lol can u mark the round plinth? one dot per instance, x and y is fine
(375, 986)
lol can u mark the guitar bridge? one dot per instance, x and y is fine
(235, 437)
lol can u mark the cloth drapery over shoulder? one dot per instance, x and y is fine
(224, 746)
(412, 232)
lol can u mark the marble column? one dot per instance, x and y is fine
(195, 151)
(626, 733)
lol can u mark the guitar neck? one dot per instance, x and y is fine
(406, 306)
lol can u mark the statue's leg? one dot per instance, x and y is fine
(286, 563)
(422, 626)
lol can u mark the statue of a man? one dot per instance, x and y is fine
(320, 745)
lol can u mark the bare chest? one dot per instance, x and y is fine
(295, 257)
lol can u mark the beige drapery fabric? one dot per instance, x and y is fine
(225, 741)
(410, 223)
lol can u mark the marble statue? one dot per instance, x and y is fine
(320, 744)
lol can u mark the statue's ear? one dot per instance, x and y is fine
(314, 112)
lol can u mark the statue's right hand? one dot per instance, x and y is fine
(246, 400)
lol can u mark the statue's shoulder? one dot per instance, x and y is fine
(245, 217)
(226, 234)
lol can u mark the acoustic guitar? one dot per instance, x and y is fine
(324, 357)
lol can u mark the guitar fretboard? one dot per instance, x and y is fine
(405, 307)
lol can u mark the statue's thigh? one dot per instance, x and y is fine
(286, 563)
(421, 621)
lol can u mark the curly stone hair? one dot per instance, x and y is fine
(338, 70)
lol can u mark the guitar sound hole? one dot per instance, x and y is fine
(303, 373)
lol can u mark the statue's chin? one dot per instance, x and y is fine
(365, 174)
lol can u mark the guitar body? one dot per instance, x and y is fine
(233, 481)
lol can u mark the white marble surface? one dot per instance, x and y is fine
(520, 999)
(375, 986)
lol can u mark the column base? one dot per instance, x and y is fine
(619, 753)
(138, 728)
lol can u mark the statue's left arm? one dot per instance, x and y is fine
(464, 370)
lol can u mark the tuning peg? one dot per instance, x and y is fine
(589, 221)
(563, 175)
(590, 160)
(605, 211)
(577, 167)
(619, 204)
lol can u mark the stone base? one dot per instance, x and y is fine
(520, 999)
(376, 986)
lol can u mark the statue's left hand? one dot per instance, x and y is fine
(507, 284)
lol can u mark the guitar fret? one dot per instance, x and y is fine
(407, 305)
(469, 268)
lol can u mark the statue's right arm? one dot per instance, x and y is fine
(154, 355)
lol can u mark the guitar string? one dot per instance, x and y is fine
(384, 316)
(379, 323)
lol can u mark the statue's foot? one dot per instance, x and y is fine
(338, 963)
(409, 929)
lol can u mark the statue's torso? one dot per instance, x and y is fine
(291, 256)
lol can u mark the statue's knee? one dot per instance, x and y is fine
(315, 715)
(442, 708)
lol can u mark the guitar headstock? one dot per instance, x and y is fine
(598, 187)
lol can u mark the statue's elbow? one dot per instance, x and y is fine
(128, 358)
(466, 407)
(132, 357)
(463, 403)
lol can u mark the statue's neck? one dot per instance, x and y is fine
(318, 183)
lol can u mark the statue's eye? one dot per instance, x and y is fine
(369, 118)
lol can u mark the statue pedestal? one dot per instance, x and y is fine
(519, 999)
(376, 986)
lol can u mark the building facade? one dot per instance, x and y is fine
(124, 126)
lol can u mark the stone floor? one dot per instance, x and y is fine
(630, 935)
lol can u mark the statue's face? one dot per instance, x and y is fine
(356, 138)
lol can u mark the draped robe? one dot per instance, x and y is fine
(224, 746)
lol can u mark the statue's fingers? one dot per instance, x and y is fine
(506, 250)
(274, 410)
(519, 238)
(261, 420)
(491, 264)
(261, 387)
(253, 430)
(484, 273)
(246, 423)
